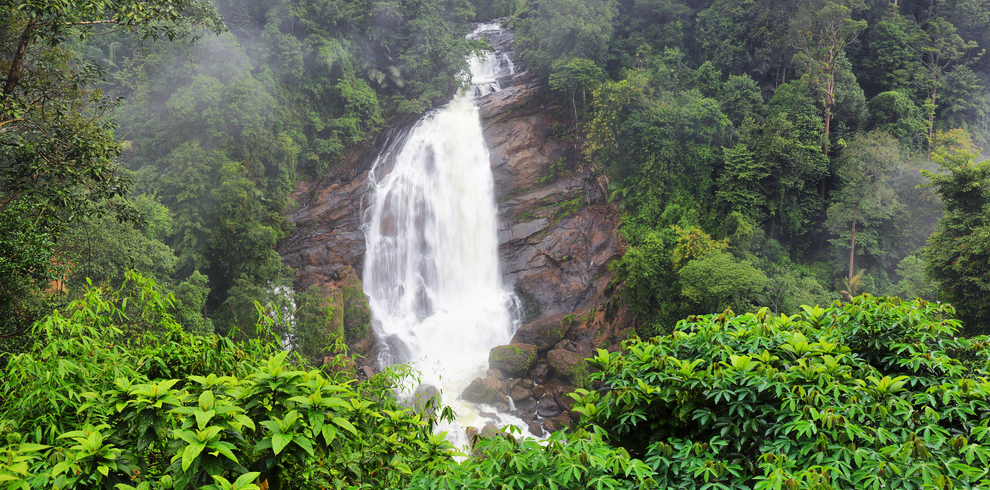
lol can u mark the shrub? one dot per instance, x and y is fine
(859, 395)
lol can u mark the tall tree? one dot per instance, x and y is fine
(866, 168)
(958, 254)
(573, 76)
(940, 49)
(822, 38)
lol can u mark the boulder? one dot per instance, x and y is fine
(518, 393)
(425, 399)
(545, 332)
(559, 422)
(547, 407)
(565, 363)
(514, 359)
(484, 390)
(536, 429)
(539, 373)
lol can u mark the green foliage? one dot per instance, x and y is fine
(718, 280)
(57, 152)
(577, 75)
(559, 30)
(860, 395)
(914, 283)
(957, 255)
(579, 460)
(174, 410)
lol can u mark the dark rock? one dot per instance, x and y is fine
(545, 332)
(518, 393)
(515, 359)
(483, 390)
(526, 383)
(565, 400)
(536, 429)
(559, 422)
(502, 406)
(565, 363)
(367, 372)
(526, 408)
(566, 344)
(540, 372)
(547, 407)
(495, 373)
(490, 415)
(539, 390)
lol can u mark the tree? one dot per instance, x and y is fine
(576, 75)
(57, 152)
(101, 249)
(866, 168)
(740, 187)
(958, 254)
(940, 49)
(822, 41)
(717, 280)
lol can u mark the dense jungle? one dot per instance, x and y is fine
(802, 209)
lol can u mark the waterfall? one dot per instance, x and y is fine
(431, 270)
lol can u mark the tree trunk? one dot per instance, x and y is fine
(574, 108)
(828, 124)
(931, 123)
(852, 252)
(14, 74)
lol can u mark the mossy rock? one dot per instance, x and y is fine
(566, 363)
(545, 332)
(513, 359)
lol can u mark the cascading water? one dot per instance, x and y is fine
(431, 268)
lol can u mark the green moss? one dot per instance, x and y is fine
(558, 169)
(580, 377)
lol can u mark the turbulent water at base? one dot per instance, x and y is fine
(431, 268)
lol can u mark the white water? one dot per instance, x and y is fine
(431, 268)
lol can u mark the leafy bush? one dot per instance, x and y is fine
(869, 394)
(89, 407)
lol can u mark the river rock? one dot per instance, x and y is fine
(484, 390)
(514, 359)
(547, 407)
(518, 393)
(426, 399)
(536, 429)
(489, 430)
(559, 422)
(545, 332)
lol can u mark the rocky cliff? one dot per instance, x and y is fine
(557, 236)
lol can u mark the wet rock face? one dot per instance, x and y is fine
(557, 233)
